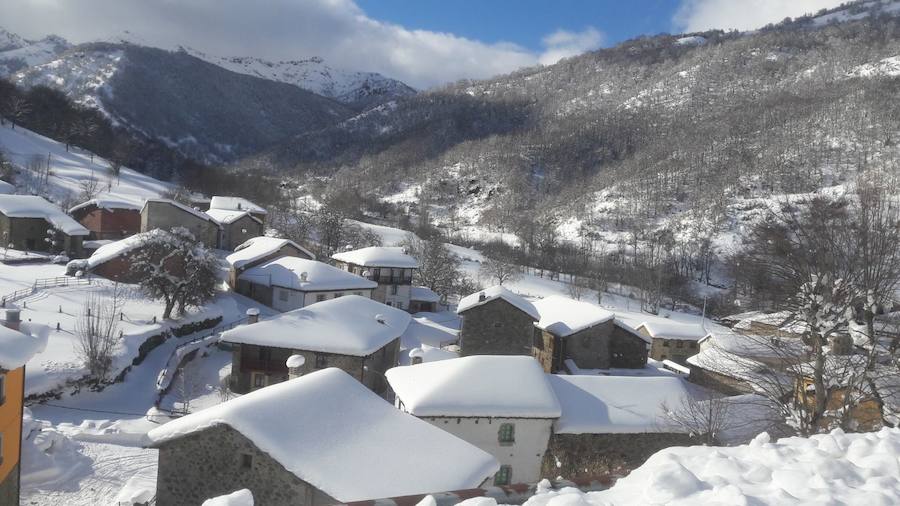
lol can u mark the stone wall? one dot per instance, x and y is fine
(166, 216)
(236, 233)
(626, 350)
(31, 234)
(575, 456)
(676, 350)
(9, 488)
(220, 460)
(589, 348)
(718, 382)
(496, 328)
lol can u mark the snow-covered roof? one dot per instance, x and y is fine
(497, 292)
(627, 328)
(18, 346)
(6, 188)
(615, 404)
(335, 434)
(726, 363)
(480, 385)
(563, 316)
(253, 249)
(107, 203)
(425, 331)
(745, 320)
(660, 329)
(187, 209)
(378, 256)
(118, 248)
(305, 275)
(241, 497)
(30, 206)
(349, 325)
(424, 294)
(427, 354)
(227, 216)
(235, 204)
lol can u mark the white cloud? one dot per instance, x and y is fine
(337, 30)
(563, 43)
(698, 15)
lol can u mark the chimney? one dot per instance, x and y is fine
(380, 319)
(416, 356)
(482, 297)
(252, 315)
(13, 318)
(295, 364)
(304, 276)
(239, 206)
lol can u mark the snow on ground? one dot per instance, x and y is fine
(833, 468)
(69, 170)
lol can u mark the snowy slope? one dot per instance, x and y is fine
(17, 52)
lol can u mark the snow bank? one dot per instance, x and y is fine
(563, 316)
(235, 204)
(499, 386)
(253, 249)
(6, 188)
(424, 331)
(615, 404)
(378, 256)
(241, 497)
(30, 206)
(497, 292)
(672, 330)
(334, 433)
(349, 325)
(118, 248)
(424, 294)
(305, 275)
(17, 347)
(49, 457)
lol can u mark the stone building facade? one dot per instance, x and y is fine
(497, 328)
(238, 231)
(219, 460)
(603, 346)
(595, 455)
(167, 214)
(31, 234)
(676, 350)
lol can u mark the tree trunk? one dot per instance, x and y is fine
(819, 383)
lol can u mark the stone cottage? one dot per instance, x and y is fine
(501, 404)
(672, 341)
(288, 283)
(496, 321)
(236, 227)
(584, 335)
(315, 440)
(353, 333)
(390, 267)
(611, 424)
(31, 223)
(259, 250)
(238, 204)
(167, 214)
(108, 218)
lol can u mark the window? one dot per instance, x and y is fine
(393, 289)
(321, 297)
(283, 295)
(506, 435)
(399, 305)
(357, 293)
(666, 344)
(679, 344)
(503, 476)
(259, 380)
(497, 325)
(2, 389)
(321, 361)
(246, 461)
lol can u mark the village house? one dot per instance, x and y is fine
(501, 404)
(288, 283)
(390, 267)
(423, 300)
(319, 439)
(610, 425)
(238, 204)
(585, 334)
(259, 250)
(114, 261)
(18, 343)
(236, 227)
(496, 321)
(32, 223)
(167, 214)
(356, 334)
(108, 218)
(782, 324)
(672, 341)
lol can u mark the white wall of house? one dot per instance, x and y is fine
(399, 299)
(287, 299)
(524, 455)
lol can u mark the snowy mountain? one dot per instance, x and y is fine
(17, 53)
(356, 89)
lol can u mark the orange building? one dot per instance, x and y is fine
(16, 348)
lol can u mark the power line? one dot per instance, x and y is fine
(109, 412)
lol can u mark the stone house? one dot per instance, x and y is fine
(260, 250)
(355, 334)
(114, 261)
(288, 283)
(501, 404)
(108, 219)
(610, 425)
(315, 440)
(238, 204)
(236, 227)
(672, 341)
(585, 334)
(31, 223)
(18, 343)
(390, 267)
(496, 321)
(167, 214)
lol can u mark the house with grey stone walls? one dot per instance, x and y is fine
(31, 223)
(353, 333)
(673, 341)
(167, 214)
(236, 227)
(239, 204)
(319, 439)
(496, 321)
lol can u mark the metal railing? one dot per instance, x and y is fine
(42, 284)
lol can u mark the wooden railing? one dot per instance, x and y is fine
(42, 284)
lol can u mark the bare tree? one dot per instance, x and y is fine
(702, 418)
(96, 329)
(493, 269)
(186, 389)
(438, 266)
(576, 289)
(89, 187)
(18, 108)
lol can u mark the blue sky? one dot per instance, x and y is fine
(526, 22)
